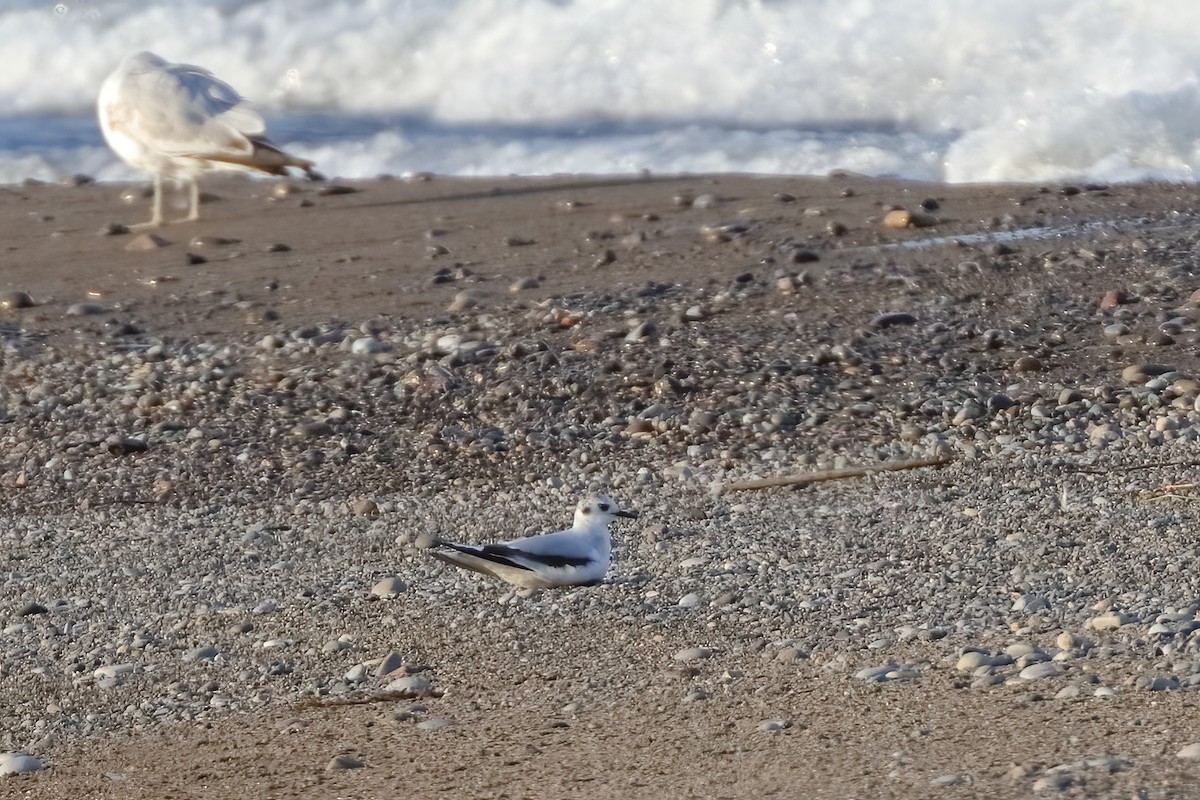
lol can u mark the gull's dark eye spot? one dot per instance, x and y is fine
(587, 509)
(604, 506)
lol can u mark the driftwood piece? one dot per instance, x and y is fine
(833, 474)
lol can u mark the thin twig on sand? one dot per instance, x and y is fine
(833, 474)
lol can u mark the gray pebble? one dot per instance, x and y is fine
(694, 654)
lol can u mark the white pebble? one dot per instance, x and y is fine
(1043, 669)
(693, 654)
(18, 764)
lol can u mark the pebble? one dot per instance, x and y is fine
(113, 670)
(467, 299)
(418, 684)
(146, 241)
(202, 653)
(335, 189)
(694, 654)
(344, 761)
(1044, 669)
(436, 724)
(1028, 364)
(13, 299)
(390, 586)
(18, 763)
(973, 660)
(892, 318)
(364, 507)
(389, 664)
(772, 725)
(367, 345)
(1189, 751)
(85, 309)
(1030, 603)
(1109, 622)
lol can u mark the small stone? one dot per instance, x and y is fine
(411, 684)
(85, 309)
(124, 447)
(772, 725)
(518, 241)
(973, 660)
(523, 284)
(1189, 751)
(1044, 669)
(922, 219)
(146, 241)
(1056, 781)
(466, 299)
(334, 189)
(693, 654)
(891, 318)
(1116, 297)
(277, 247)
(364, 507)
(642, 332)
(690, 600)
(390, 663)
(875, 674)
(389, 587)
(32, 609)
(367, 345)
(113, 229)
(1136, 374)
(208, 240)
(896, 218)
(1109, 622)
(202, 653)
(1030, 603)
(344, 761)
(112, 670)
(1028, 364)
(1070, 641)
(19, 764)
(194, 259)
(14, 299)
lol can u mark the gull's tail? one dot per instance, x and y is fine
(266, 157)
(469, 557)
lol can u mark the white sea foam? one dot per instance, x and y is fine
(1031, 90)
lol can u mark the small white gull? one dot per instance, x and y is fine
(578, 556)
(177, 121)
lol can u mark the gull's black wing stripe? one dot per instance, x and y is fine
(496, 552)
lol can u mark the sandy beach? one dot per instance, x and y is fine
(220, 447)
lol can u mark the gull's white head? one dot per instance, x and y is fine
(597, 509)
